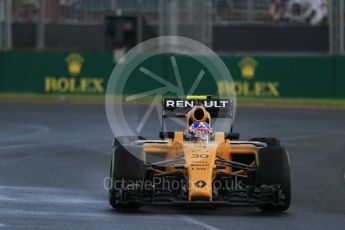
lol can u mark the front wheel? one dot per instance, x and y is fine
(274, 169)
(127, 168)
(270, 141)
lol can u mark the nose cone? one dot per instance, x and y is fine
(200, 163)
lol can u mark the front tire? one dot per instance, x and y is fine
(270, 141)
(124, 140)
(127, 167)
(273, 169)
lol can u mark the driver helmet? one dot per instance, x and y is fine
(199, 131)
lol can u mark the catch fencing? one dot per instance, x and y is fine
(228, 26)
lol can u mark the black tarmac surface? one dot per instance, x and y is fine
(54, 157)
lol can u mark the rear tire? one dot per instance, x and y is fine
(270, 141)
(124, 140)
(274, 168)
(127, 166)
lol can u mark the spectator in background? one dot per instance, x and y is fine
(277, 9)
(306, 11)
(319, 11)
(26, 10)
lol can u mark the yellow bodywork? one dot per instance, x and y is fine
(200, 156)
(200, 159)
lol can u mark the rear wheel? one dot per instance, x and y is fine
(123, 140)
(270, 141)
(127, 169)
(274, 169)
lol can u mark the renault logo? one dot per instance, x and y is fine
(200, 184)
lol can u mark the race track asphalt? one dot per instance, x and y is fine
(54, 157)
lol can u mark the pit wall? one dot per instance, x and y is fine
(254, 76)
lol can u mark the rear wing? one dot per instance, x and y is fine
(176, 107)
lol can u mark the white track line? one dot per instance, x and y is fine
(49, 196)
(15, 146)
(36, 130)
(34, 189)
(49, 214)
(200, 224)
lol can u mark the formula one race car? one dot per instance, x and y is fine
(199, 166)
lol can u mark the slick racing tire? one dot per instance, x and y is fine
(274, 169)
(270, 141)
(127, 169)
(123, 140)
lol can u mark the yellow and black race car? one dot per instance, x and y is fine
(199, 166)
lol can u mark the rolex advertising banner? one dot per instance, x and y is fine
(2, 72)
(268, 76)
(254, 76)
(56, 72)
(339, 84)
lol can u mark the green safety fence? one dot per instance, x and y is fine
(339, 77)
(282, 76)
(2, 72)
(56, 72)
(254, 76)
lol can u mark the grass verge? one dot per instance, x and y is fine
(294, 102)
(241, 101)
